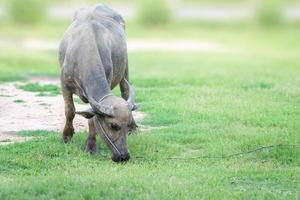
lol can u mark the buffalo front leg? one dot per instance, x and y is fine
(91, 140)
(70, 114)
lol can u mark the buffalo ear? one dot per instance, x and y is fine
(89, 113)
(133, 107)
(133, 126)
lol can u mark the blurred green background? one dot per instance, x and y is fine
(156, 11)
(36, 26)
(54, 15)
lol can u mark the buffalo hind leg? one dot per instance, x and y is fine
(124, 89)
(70, 114)
(91, 140)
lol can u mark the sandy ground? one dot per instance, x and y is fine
(36, 112)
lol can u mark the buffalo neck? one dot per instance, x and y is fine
(96, 87)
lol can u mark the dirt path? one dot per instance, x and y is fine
(21, 110)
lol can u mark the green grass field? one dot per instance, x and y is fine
(42, 90)
(208, 105)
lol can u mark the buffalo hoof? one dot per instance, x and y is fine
(91, 146)
(66, 139)
(121, 158)
(68, 134)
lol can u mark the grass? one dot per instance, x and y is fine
(153, 13)
(19, 101)
(42, 90)
(211, 105)
(34, 133)
(3, 95)
(256, 40)
(18, 64)
(78, 100)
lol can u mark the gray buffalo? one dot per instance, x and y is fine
(93, 60)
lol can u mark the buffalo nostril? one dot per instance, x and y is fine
(116, 158)
(122, 158)
(125, 157)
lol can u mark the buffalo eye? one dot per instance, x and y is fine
(115, 127)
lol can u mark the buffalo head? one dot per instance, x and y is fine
(113, 119)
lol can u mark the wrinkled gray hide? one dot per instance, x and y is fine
(93, 60)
